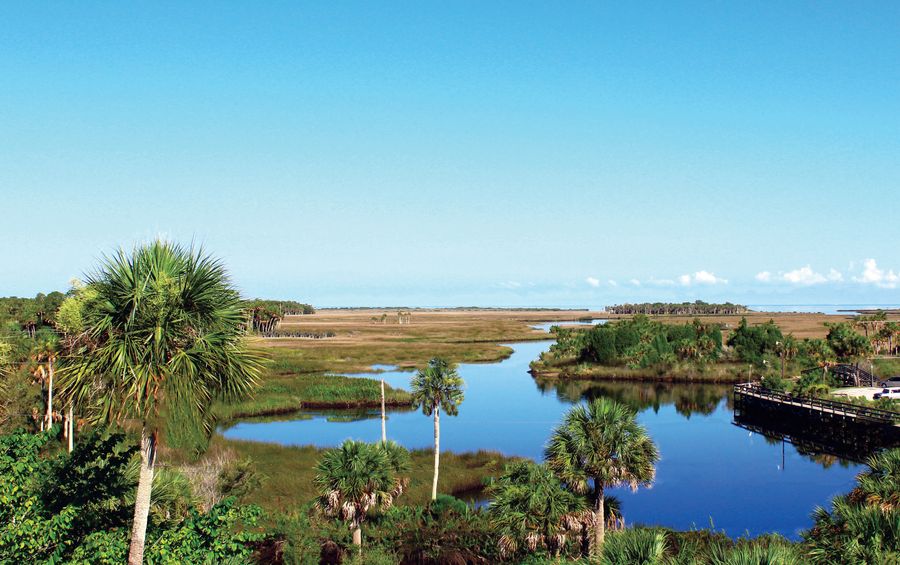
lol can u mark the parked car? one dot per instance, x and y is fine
(892, 382)
(887, 393)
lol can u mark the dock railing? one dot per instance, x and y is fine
(874, 415)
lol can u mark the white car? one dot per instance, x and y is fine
(887, 393)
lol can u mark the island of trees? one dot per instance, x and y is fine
(697, 308)
(644, 348)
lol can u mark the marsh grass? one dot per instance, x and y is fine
(281, 395)
(288, 472)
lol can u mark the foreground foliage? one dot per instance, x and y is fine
(75, 508)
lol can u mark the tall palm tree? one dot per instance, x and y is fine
(167, 338)
(531, 507)
(383, 414)
(601, 446)
(358, 477)
(45, 354)
(434, 388)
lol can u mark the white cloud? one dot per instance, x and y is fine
(661, 282)
(635, 282)
(510, 284)
(593, 282)
(804, 275)
(612, 282)
(872, 274)
(701, 277)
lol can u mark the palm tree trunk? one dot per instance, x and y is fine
(437, 451)
(142, 498)
(71, 424)
(383, 423)
(599, 521)
(50, 394)
(357, 536)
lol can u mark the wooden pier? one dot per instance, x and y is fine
(849, 428)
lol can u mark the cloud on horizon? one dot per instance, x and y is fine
(872, 274)
(701, 277)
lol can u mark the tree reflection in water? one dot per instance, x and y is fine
(688, 399)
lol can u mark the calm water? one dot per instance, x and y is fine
(711, 470)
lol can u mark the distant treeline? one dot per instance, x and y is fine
(29, 315)
(263, 316)
(306, 334)
(281, 307)
(698, 308)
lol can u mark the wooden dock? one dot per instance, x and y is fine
(830, 409)
(851, 428)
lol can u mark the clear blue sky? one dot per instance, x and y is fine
(458, 153)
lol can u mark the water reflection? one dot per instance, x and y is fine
(688, 399)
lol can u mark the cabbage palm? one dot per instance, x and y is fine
(879, 485)
(601, 446)
(437, 387)
(358, 477)
(864, 526)
(166, 338)
(45, 355)
(531, 507)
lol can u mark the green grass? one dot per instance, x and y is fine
(288, 472)
(886, 368)
(283, 394)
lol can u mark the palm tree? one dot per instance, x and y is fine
(437, 387)
(358, 477)
(46, 353)
(786, 350)
(383, 414)
(601, 445)
(531, 506)
(861, 527)
(167, 338)
(879, 485)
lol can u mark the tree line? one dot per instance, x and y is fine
(697, 308)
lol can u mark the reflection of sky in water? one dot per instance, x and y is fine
(709, 467)
(547, 325)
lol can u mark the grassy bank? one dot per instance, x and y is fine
(283, 394)
(886, 367)
(288, 472)
(676, 373)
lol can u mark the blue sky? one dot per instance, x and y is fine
(464, 153)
